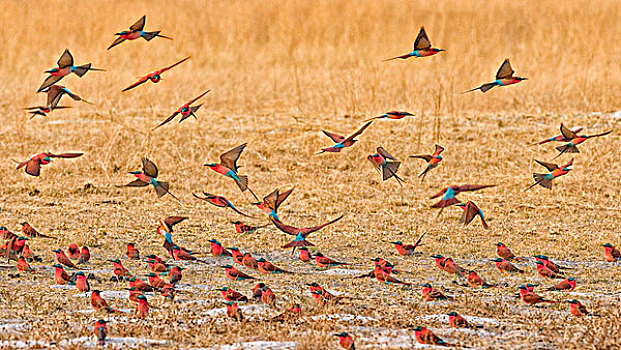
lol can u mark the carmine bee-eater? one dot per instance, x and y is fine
(228, 167)
(268, 297)
(136, 31)
(471, 211)
(458, 321)
(408, 249)
(219, 201)
(448, 194)
(232, 295)
(432, 160)
(545, 180)
(65, 67)
(85, 255)
(345, 341)
(13, 248)
(611, 253)
(577, 309)
(304, 255)
(420, 48)
(236, 275)
(545, 272)
(505, 253)
(132, 252)
(56, 92)
(183, 254)
(155, 76)
(23, 266)
(148, 177)
(240, 227)
(142, 307)
(249, 262)
(257, 291)
(74, 251)
(300, 233)
(531, 297)
(42, 110)
(342, 142)
(6, 233)
(566, 285)
(439, 261)
(28, 254)
(431, 294)
(61, 276)
(574, 140)
(233, 311)
(382, 276)
(558, 138)
(325, 262)
(175, 275)
(119, 270)
(33, 164)
(62, 259)
(155, 281)
(157, 266)
(385, 164)
(186, 110)
(31, 232)
(217, 249)
(272, 201)
(475, 281)
(100, 304)
(139, 285)
(549, 264)
(236, 254)
(452, 268)
(391, 115)
(133, 294)
(266, 267)
(82, 282)
(425, 336)
(506, 267)
(101, 331)
(504, 77)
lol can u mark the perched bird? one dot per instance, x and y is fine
(142, 307)
(504, 77)
(566, 285)
(62, 259)
(233, 311)
(304, 254)
(101, 331)
(549, 264)
(155, 76)
(23, 266)
(219, 201)
(186, 110)
(448, 194)
(28, 254)
(559, 138)
(232, 295)
(132, 252)
(13, 248)
(135, 282)
(136, 31)
(574, 140)
(532, 298)
(325, 262)
(425, 336)
(382, 276)
(217, 249)
(432, 160)
(300, 233)
(100, 304)
(506, 267)
(85, 255)
(505, 253)
(267, 267)
(272, 202)
(250, 262)
(439, 261)
(345, 341)
(452, 268)
(119, 270)
(545, 272)
(240, 227)
(148, 177)
(431, 294)
(155, 281)
(61, 276)
(236, 254)
(421, 48)
(73, 251)
(236, 275)
(458, 321)
(268, 297)
(30, 232)
(342, 142)
(257, 291)
(470, 212)
(33, 164)
(184, 254)
(175, 275)
(228, 167)
(82, 282)
(475, 281)
(65, 67)
(392, 115)
(577, 309)
(611, 253)
(408, 249)
(385, 164)
(545, 180)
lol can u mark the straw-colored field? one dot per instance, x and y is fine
(279, 72)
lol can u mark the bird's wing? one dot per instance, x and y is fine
(422, 41)
(549, 166)
(505, 70)
(174, 64)
(65, 60)
(602, 134)
(149, 168)
(469, 213)
(49, 81)
(229, 158)
(54, 94)
(138, 26)
(439, 149)
(199, 96)
(285, 228)
(172, 116)
(385, 153)
(116, 42)
(139, 82)
(283, 196)
(358, 132)
(439, 193)
(472, 187)
(308, 230)
(567, 133)
(137, 183)
(426, 157)
(64, 155)
(335, 137)
(33, 167)
(173, 220)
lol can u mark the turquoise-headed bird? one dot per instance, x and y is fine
(545, 180)
(300, 233)
(574, 140)
(504, 77)
(219, 201)
(385, 164)
(394, 115)
(148, 176)
(421, 48)
(432, 160)
(137, 31)
(65, 67)
(272, 201)
(470, 212)
(342, 142)
(228, 167)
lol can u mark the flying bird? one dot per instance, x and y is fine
(574, 140)
(272, 201)
(504, 77)
(341, 141)
(470, 212)
(186, 110)
(156, 76)
(557, 137)
(65, 67)
(421, 48)
(448, 194)
(385, 164)
(392, 115)
(219, 201)
(300, 233)
(54, 94)
(148, 176)
(545, 180)
(33, 164)
(228, 167)
(136, 31)
(432, 160)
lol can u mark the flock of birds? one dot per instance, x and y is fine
(163, 275)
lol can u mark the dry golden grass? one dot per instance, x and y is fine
(280, 71)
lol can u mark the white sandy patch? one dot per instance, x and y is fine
(255, 345)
